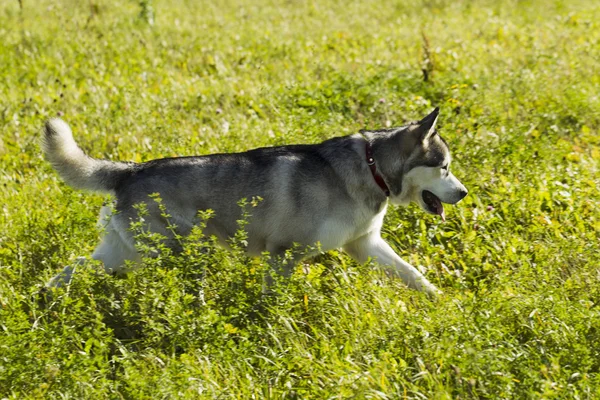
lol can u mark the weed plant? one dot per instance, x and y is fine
(518, 259)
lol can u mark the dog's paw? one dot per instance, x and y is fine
(43, 296)
(431, 290)
(435, 293)
(61, 279)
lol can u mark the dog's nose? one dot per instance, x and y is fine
(463, 193)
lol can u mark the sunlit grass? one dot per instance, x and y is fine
(517, 83)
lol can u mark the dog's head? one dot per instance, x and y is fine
(414, 161)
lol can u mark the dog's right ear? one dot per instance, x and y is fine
(426, 126)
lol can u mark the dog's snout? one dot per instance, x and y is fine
(462, 194)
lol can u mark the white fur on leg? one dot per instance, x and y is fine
(373, 246)
(66, 275)
(113, 253)
(114, 249)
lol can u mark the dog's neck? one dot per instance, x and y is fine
(373, 167)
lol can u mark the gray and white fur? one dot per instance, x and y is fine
(323, 194)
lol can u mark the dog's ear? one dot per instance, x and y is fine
(426, 126)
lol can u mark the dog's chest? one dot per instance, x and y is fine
(341, 230)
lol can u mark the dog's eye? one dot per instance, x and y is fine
(445, 167)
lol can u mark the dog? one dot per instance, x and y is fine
(330, 195)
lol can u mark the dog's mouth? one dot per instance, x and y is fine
(433, 204)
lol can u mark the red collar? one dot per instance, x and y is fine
(371, 163)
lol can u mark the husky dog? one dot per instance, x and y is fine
(333, 194)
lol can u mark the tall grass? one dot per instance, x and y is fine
(517, 82)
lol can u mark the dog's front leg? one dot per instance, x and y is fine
(280, 264)
(373, 246)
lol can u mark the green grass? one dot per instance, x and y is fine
(518, 259)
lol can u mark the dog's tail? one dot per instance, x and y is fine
(76, 168)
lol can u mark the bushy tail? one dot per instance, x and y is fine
(76, 168)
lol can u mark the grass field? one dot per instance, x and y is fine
(518, 83)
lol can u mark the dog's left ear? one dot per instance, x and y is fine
(426, 126)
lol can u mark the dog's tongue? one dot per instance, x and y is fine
(434, 204)
(439, 209)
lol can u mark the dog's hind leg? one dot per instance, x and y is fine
(373, 246)
(112, 251)
(65, 276)
(281, 264)
(115, 250)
